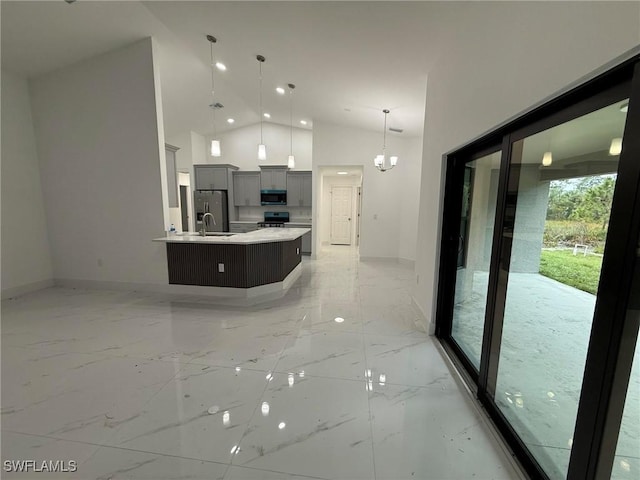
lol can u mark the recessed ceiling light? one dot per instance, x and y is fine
(267, 115)
(221, 66)
(624, 108)
(342, 173)
(280, 90)
(303, 122)
(230, 120)
(339, 319)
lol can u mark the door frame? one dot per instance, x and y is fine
(613, 331)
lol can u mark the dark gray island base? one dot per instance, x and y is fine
(232, 265)
(234, 269)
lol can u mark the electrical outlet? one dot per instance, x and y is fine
(375, 216)
(221, 267)
(99, 262)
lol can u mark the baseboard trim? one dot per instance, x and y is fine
(13, 292)
(400, 260)
(425, 325)
(378, 259)
(194, 293)
(407, 261)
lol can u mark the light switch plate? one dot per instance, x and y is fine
(221, 267)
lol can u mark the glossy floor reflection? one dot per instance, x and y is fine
(333, 381)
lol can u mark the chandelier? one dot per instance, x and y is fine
(380, 161)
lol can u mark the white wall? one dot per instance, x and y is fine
(410, 201)
(200, 149)
(325, 204)
(501, 58)
(184, 162)
(240, 146)
(26, 259)
(389, 199)
(101, 147)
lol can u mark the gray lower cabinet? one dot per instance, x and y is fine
(299, 189)
(306, 244)
(235, 227)
(246, 189)
(306, 238)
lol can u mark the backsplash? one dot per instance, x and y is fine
(257, 213)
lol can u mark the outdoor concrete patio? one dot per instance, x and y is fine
(544, 345)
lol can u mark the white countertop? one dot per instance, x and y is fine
(263, 235)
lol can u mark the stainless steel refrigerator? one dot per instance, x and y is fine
(215, 203)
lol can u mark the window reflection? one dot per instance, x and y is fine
(480, 192)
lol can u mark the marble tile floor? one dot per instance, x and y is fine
(334, 381)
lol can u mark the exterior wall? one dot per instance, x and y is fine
(531, 212)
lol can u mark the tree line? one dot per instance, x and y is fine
(586, 199)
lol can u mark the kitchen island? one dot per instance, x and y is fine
(256, 262)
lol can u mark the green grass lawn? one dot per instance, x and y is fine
(577, 271)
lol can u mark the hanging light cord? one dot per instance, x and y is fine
(291, 121)
(213, 96)
(261, 116)
(384, 134)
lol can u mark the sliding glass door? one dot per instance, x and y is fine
(540, 228)
(562, 180)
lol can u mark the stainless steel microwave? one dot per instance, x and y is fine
(273, 197)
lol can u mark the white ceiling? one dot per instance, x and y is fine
(348, 60)
(332, 170)
(587, 135)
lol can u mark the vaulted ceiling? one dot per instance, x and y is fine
(348, 60)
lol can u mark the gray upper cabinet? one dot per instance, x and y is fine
(273, 178)
(246, 189)
(299, 189)
(211, 177)
(172, 175)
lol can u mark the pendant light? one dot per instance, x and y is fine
(380, 161)
(262, 148)
(616, 146)
(547, 156)
(215, 143)
(291, 161)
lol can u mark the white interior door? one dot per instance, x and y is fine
(341, 212)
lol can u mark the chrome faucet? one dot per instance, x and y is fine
(203, 232)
